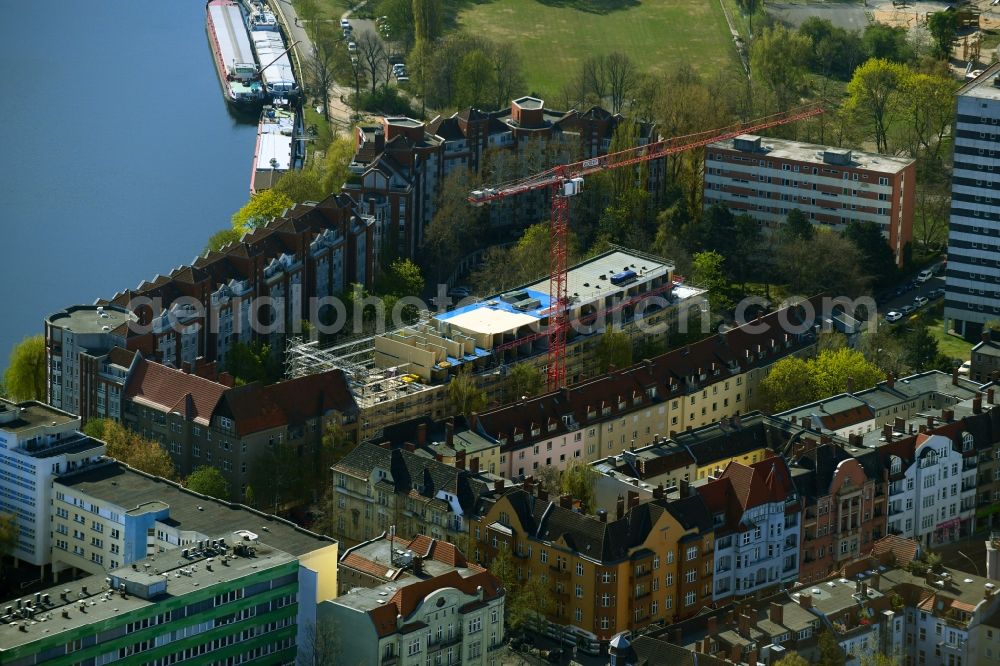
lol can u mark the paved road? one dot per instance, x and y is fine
(896, 302)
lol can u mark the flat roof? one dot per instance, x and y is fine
(365, 599)
(982, 86)
(130, 489)
(813, 154)
(102, 606)
(31, 414)
(90, 318)
(379, 552)
(492, 318)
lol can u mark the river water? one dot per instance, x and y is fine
(118, 155)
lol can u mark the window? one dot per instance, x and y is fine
(692, 553)
(690, 575)
(475, 624)
(689, 598)
(579, 569)
(413, 647)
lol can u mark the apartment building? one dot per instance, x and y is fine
(766, 178)
(972, 294)
(111, 515)
(375, 488)
(845, 506)
(985, 358)
(233, 601)
(387, 559)
(86, 359)
(313, 250)
(452, 617)
(400, 164)
(756, 513)
(644, 564)
(37, 444)
(710, 381)
(203, 422)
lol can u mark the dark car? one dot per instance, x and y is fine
(935, 293)
(555, 656)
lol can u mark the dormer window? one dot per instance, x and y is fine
(606, 410)
(518, 436)
(535, 430)
(621, 404)
(591, 412)
(552, 425)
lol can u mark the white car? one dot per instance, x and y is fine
(963, 370)
(352, 47)
(893, 316)
(345, 24)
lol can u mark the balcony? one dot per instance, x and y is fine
(559, 571)
(389, 661)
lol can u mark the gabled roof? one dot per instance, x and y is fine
(166, 389)
(903, 550)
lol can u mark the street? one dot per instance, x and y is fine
(895, 303)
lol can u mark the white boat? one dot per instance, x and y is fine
(279, 145)
(277, 74)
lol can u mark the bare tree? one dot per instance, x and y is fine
(321, 643)
(372, 55)
(508, 77)
(320, 68)
(594, 77)
(622, 77)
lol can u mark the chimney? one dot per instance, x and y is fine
(473, 420)
(989, 396)
(460, 459)
(954, 376)
(899, 424)
(421, 434)
(620, 507)
(850, 384)
(543, 493)
(776, 612)
(566, 501)
(977, 403)
(712, 624)
(498, 485)
(825, 438)
(805, 600)
(729, 617)
(744, 625)
(658, 492)
(678, 636)
(408, 445)
(887, 432)
(706, 645)
(684, 487)
(930, 422)
(923, 428)
(890, 379)
(735, 654)
(633, 499)
(752, 657)
(474, 465)
(602, 515)
(948, 415)
(449, 431)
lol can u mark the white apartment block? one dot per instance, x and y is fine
(972, 279)
(37, 443)
(766, 178)
(933, 499)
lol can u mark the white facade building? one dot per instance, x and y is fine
(37, 443)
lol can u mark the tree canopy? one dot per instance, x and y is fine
(131, 448)
(25, 375)
(614, 350)
(209, 481)
(465, 395)
(261, 208)
(523, 380)
(793, 381)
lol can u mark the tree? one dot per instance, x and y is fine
(622, 76)
(879, 659)
(929, 104)
(580, 481)
(276, 474)
(789, 383)
(25, 375)
(304, 184)
(876, 255)
(8, 534)
(508, 73)
(797, 226)
(402, 278)
(252, 362)
(321, 644)
(943, 27)
(778, 58)
(531, 603)
(474, 85)
(792, 659)
(261, 209)
(338, 157)
(372, 55)
(886, 42)
(875, 95)
(321, 66)
(614, 350)
(465, 394)
(221, 238)
(399, 15)
(132, 449)
(209, 481)
(830, 652)
(833, 370)
(708, 272)
(829, 263)
(523, 380)
(922, 351)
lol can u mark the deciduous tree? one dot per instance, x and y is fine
(209, 481)
(831, 371)
(372, 55)
(792, 659)
(580, 482)
(789, 383)
(778, 58)
(523, 380)
(132, 449)
(943, 27)
(708, 271)
(465, 395)
(221, 238)
(830, 652)
(25, 375)
(252, 362)
(321, 67)
(8, 534)
(614, 350)
(875, 95)
(797, 226)
(262, 207)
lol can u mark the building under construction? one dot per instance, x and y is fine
(402, 374)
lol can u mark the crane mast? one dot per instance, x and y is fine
(566, 181)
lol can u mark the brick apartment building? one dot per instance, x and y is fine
(397, 172)
(767, 177)
(313, 250)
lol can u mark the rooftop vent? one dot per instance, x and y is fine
(840, 156)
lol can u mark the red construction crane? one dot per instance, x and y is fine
(566, 180)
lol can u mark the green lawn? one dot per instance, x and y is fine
(952, 346)
(554, 36)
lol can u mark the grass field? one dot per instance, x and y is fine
(555, 36)
(949, 345)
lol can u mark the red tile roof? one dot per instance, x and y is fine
(158, 386)
(904, 550)
(409, 597)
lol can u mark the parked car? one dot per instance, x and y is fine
(345, 24)
(352, 47)
(459, 292)
(907, 310)
(920, 301)
(893, 316)
(554, 656)
(963, 370)
(935, 293)
(403, 79)
(925, 275)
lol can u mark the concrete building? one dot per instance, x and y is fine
(766, 178)
(452, 617)
(376, 488)
(386, 559)
(111, 515)
(235, 600)
(972, 285)
(756, 513)
(86, 363)
(37, 444)
(644, 564)
(400, 164)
